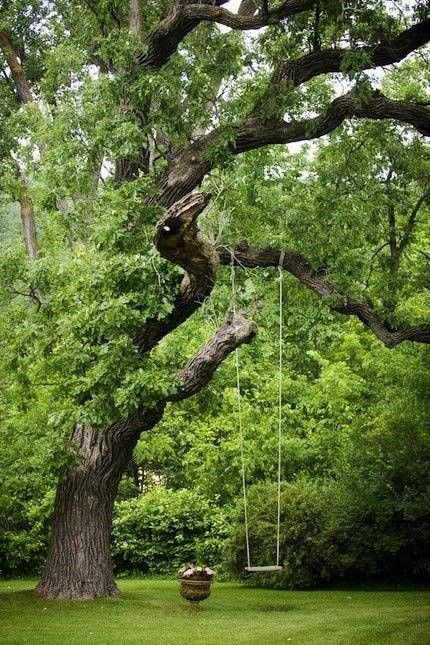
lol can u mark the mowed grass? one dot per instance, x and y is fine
(151, 611)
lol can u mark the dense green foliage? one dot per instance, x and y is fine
(356, 434)
(161, 530)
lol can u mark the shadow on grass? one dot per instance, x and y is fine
(23, 595)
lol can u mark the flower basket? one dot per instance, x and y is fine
(195, 590)
(195, 583)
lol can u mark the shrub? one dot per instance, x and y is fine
(354, 529)
(24, 537)
(159, 531)
(381, 526)
(306, 551)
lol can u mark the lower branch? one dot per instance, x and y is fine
(296, 264)
(197, 373)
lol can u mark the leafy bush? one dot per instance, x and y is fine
(380, 516)
(354, 529)
(161, 530)
(24, 537)
(306, 551)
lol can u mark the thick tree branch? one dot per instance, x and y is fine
(16, 70)
(255, 132)
(243, 21)
(296, 264)
(190, 165)
(235, 331)
(166, 37)
(179, 240)
(293, 73)
(168, 34)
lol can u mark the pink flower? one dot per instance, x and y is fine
(188, 573)
(209, 572)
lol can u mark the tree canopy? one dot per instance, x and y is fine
(304, 126)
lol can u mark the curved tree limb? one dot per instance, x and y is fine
(179, 240)
(256, 132)
(193, 377)
(189, 166)
(293, 73)
(298, 266)
(197, 373)
(170, 32)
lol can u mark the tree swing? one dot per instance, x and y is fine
(272, 567)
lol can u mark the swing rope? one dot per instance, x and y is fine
(281, 296)
(239, 415)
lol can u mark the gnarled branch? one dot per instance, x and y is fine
(296, 264)
(256, 132)
(169, 33)
(193, 377)
(179, 240)
(293, 73)
(190, 165)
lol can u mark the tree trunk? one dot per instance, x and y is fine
(79, 562)
(29, 227)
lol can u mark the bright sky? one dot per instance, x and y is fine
(233, 5)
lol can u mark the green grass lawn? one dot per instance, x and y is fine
(151, 611)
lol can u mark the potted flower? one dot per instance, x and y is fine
(195, 581)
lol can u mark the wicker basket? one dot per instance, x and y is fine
(195, 590)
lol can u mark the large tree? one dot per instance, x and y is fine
(113, 113)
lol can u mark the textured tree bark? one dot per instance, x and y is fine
(28, 227)
(79, 562)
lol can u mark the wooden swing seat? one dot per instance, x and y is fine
(273, 567)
